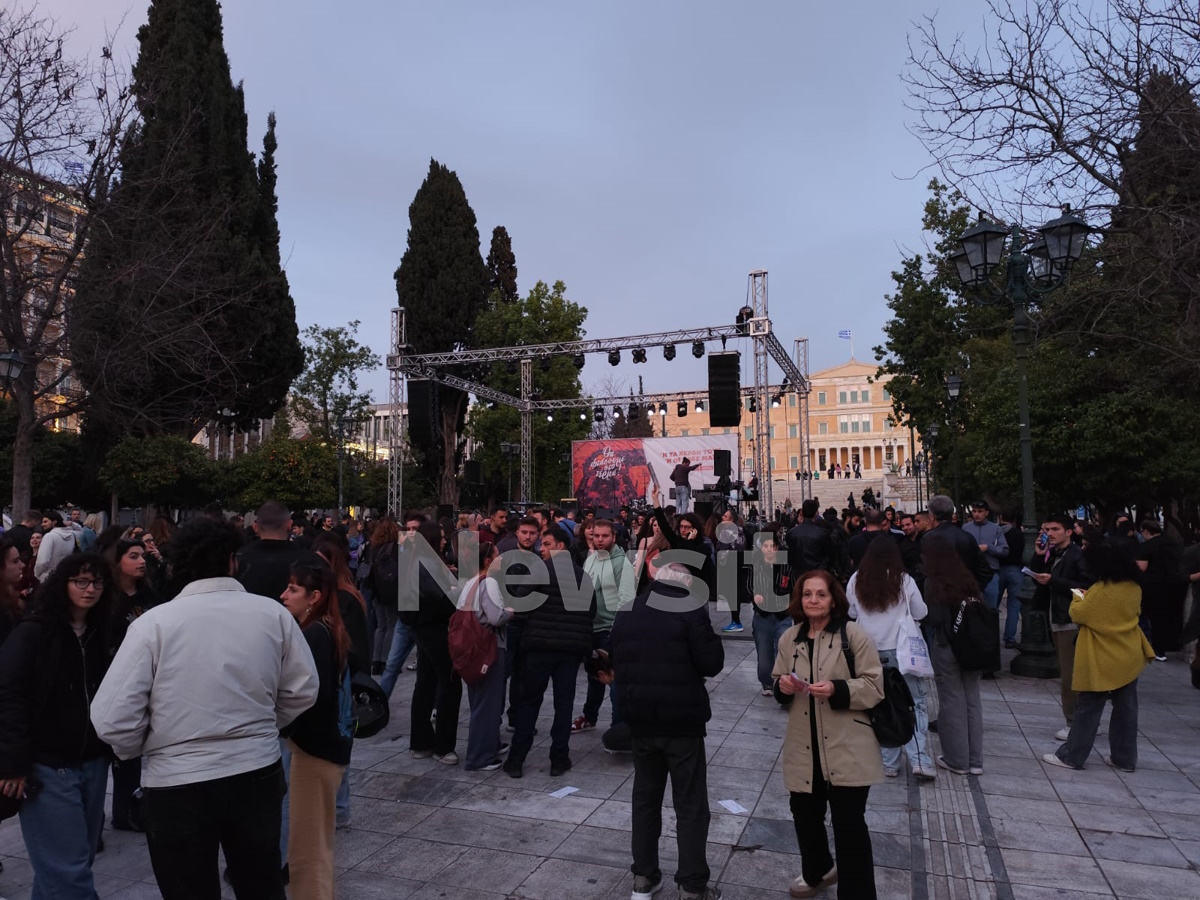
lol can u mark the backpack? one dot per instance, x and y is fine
(894, 718)
(974, 636)
(473, 647)
(385, 576)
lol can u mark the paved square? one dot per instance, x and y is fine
(1021, 831)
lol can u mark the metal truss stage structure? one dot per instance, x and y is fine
(467, 370)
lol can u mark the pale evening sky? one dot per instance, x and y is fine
(648, 154)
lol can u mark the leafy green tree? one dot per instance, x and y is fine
(182, 308)
(300, 472)
(545, 315)
(328, 390)
(163, 470)
(502, 266)
(442, 284)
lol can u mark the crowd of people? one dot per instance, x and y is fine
(108, 638)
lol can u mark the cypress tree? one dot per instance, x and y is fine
(442, 284)
(182, 308)
(502, 266)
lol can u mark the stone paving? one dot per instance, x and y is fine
(1021, 831)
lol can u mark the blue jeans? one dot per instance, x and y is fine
(343, 799)
(991, 591)
(539, 670)
(917, 750)
(61, 826)
(285, 760)
(683, 498)
(1011, 580)
(403, 642)
(767, 633)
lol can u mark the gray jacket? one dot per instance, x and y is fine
(989, 533)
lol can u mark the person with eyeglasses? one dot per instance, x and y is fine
(50, 755)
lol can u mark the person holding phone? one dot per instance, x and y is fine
(830, 755)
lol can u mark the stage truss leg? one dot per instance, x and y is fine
(396, 423)
(526, 429)
(760, 329)
(801, 354)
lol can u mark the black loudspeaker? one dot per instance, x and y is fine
(422, 397)
(725, 389)
(473, 471)
(722, 463)
(703, 508)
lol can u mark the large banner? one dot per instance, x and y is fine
(624, 471)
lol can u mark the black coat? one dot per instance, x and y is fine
(265, 567)
(558, 625)
(966, 548)
(47, 680)
(810, 546)
(661, 656)
(1067, 572)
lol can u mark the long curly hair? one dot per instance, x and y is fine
(879, 583)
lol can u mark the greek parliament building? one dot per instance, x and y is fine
(849, 422)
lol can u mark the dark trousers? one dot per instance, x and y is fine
(240, 814)
(855, 863)
(512, 663)
(683, 760)
(601, 640)
(1122, 728)
(437, 684)
(540, 669)
(487, 708)
(126, 778)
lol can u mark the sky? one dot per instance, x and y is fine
(647, 154)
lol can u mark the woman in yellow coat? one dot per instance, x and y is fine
(830, 755)
(1110, 653)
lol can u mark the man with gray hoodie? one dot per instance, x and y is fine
(58, 542)
(992, 544)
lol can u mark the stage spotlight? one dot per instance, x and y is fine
(668, 352)
(549, 417)
(545, 363)
(616, 412)
(776, 402)
(699, 406)
(698, 349)
(662, 409)
(598, 413)
(639, 355)
(577, 360)
(634, 412)
(614, 357)
(681, 409)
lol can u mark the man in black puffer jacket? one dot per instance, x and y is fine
(557, 637)
(663, 647)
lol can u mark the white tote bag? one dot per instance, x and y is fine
(912, 654)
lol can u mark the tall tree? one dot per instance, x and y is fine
(328, 389)
(502, 266)
(60, 121)
(442, 284)
(183, 308)
(544, 316)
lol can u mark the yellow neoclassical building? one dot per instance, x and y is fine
(849, 422)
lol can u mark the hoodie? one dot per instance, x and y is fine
(57, 545)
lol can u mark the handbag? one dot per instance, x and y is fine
(894, 718)
(974, 636)
(370, 705)
(912, 653)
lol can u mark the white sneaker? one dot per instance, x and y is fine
(1053, 760)
(801, 888)
(1063, 733)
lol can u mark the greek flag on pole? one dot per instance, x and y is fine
(844, 334)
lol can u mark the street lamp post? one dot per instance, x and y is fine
(954, 383)
(1030, 273)
(932, 431)
(342, 423)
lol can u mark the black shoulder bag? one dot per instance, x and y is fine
(894, 718)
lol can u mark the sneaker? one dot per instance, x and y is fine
(422, 754)
(801, 888)
(1063, 733)
(925, 773)
(581, 724)
(1160, 657)
(447, 759)
(341, 823)
(411, 667)
(503, 749)
(942, 764)
(618, 751)
(514, 770)
(490, 767)
(1052, 759)
(1010, 645)
(975, 770)
(768, 692)
(731, 628)
(891, 772)
(709, 893)
(644, 888)
(1108, 761)
(562, 767)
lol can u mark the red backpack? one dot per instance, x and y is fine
(473, 648)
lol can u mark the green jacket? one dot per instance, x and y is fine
(614, 582)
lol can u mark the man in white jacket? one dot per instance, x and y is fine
(58, 542)
(200, 688)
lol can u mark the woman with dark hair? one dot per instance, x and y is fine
(830, 755)
(132, 596)
(12, 570)
(29, 583)
(381, 555)
(581, 545)
(652, 540)
(1110, 653)
(882, 595)
(772, 590)
(437, 683)
(319, 750)
(50, 668)
(486, 697)
(960, 714)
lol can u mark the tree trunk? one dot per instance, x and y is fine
(448, 483)
(22, 459)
